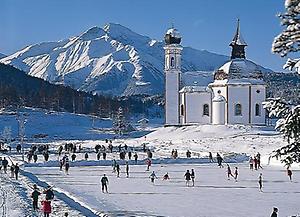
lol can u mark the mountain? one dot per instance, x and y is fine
(111, 60)
(2, 55)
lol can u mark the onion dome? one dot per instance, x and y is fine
(172, 36)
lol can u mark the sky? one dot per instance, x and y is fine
(203, 24)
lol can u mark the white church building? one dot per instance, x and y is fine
(234, 97)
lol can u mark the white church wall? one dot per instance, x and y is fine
(238, 95)
(258, 96)
(194, 103)
(172, 98)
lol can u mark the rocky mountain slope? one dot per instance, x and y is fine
(111, 60)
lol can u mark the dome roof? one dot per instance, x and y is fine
(238, 68)
(172, 36)
(219, 98)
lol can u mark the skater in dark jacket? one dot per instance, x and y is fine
(104, 183)
(193, 177)
(35, 197)
(17, 169)
(127, 170)
(187, 176)
(118, 170)
(274, 213)
(289, 173)
(49, 193)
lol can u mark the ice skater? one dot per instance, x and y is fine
(289, 173)
(187, 176)
(236, 173)
(260, 182)
(193, 177)
(104, 183)
(166, 176)
(118, 170)
(229, 173)
(152, 177)
(274, 213)
(35, 197)
(251, 163)
(127, 169)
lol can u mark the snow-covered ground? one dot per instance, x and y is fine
(79, 193)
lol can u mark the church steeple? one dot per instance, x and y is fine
(238, 44)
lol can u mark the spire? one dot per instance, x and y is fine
(238, 44)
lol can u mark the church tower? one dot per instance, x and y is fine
(238, 44)
(172, 80)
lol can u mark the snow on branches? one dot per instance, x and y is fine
(289, 125)
(289, 40)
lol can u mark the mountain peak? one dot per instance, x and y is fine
(92, 33)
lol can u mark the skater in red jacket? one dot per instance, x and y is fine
(46, 207)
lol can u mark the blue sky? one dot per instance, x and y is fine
(204, 24)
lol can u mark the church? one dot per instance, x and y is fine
(234, 97)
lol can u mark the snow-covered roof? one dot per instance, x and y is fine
(240, 81)
(238, 68)
(193, 89)
(219, 98)
(173, 32)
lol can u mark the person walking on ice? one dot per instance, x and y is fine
(35, 197)
(166, 176)
(274, 213)
(118, 170)
(46, 207)
(236, 173)
(289, 173)
(193, 177)
(17, 169)
(229, 173)
(127, 169)
(152, 177)
(187, 176)
(148, 162)
(260, 182)
(104, 183)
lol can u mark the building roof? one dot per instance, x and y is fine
(172, 36)
(241, 81)
(193, 89)
(237, 69)
(219, 98)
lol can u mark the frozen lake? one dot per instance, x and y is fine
(212, 196)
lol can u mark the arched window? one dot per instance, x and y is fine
(206, 109)
(257, 109)
(172, 61)
(238, 110)
(181, 110)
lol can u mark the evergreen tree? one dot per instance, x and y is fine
(289, 115)
(289, 40)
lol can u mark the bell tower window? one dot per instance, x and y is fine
(172, 62)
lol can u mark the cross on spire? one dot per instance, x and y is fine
(238, 44)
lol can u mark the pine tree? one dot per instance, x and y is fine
(121, 125)
(289, 40)
(289, 116)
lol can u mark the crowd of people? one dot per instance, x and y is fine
(127, 156)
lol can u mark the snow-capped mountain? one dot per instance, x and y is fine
(2, 55)
(111, 60)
